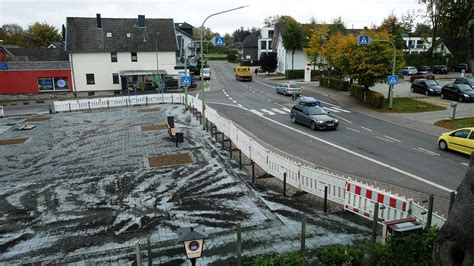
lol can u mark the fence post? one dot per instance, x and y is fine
(108, 104)
(222, 141)
(239, 245)
(303, 238)
(146, 100)
(430, 211)
(50, 109)
(452, 197)
(325, 199)
(253, 171)
(284, 184)
(148, 246)
(240, 159)
(172, 98)
(89, 105)
(230, 149)
(70, 107)
(138, 253)
(207, 125)
(375, 221)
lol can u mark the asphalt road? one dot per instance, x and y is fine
(362, 146)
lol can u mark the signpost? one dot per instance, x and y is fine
(307, 74)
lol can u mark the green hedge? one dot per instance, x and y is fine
(334, 83)
(373, 98)
(299, 74)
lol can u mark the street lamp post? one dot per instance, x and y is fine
(186, 72)
(203, 117)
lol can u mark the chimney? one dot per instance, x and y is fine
(99, 21)
(141, 21)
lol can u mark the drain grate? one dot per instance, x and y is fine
(172, 159)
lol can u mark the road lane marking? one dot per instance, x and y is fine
(267, 111)
(465, 164)
(368, 129)
(228, 104)
(331, 110)
(363, 156)
(265, 84)
(342, 118)
(387, 140)
(230, 98)
(355, 130)
(392, 139)
(269, 100)
(239, 105)
(234, 101)
(256, 112)
(340, 109)
(279, 111)
(426, 151)
(286, 109)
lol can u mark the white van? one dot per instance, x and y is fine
(206, 73)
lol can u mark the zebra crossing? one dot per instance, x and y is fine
(285, 111)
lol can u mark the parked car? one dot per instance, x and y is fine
(465, 80)
(462, 66)
(459, 92)
(426, 86)
(461, 140)
(408, 70)
(439, 69)
(423, 69)
(422, 76)
(288, 89)
(309, 112)
(206, 73)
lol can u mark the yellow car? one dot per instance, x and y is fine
(461, 140)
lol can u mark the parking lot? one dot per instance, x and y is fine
(80, 189)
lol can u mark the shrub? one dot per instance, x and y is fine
(293, 258)
(299, 74)
(341, 255)
(334, 83)
(372, 98)
(231, 58)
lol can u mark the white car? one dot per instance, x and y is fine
(409, 70)
(206, 73)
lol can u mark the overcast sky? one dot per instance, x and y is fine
(355, 13)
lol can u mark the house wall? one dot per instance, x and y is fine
(101, 66)
(185, 42)
(267, 38)
(284, 58)
(26, 81)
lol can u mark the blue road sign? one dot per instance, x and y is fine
(3, 66)
(363, 40)
(392, 80)
(185, 81)
(218, 41)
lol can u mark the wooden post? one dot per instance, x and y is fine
(240, 160)
(138, 253)
(430, 211)
(70, 107)
(284, 184)
(148, 245)
(253, 171)
(230, 149)
(108, 104)
(375, 221)
(325, 199)
(146, 100)
(239, 245)
(303, 238)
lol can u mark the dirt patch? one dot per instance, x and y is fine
(4, 142)
(38, 118)
(147, 110)
(154, 127)
(172, 159)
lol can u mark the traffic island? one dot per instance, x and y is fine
(167, 160)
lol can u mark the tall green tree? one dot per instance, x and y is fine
(42, 34)
(293, 39)
(278, 19)
(337, 25)
(13, 34)
(392, 26)
(408, 25)
(314, 50)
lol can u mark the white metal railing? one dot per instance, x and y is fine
(299, 173)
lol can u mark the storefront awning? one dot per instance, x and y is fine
(142, 72)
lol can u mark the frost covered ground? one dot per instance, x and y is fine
(80, 191)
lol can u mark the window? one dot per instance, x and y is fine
(270, 34)
(263, 45)
(53, 84)
(113, 56)
(115, 78)
(472, 135)
(461, 133)
(108, 35)
(90, 79)
(419, 44)
(134, 57)
(269, 44)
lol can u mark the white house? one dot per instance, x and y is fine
(184, 37)
(421, 45)
(285, 56)
(115, 55)
(265, 40)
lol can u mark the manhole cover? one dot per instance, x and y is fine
(4, 142)
(146, 110)
(38, 118)
(172, 159)
(154, 127)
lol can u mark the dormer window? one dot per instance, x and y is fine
(108, 34)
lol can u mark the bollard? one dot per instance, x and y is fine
(284, 184)
(374, 225)
(303, 238)
(452, 197)
(50, 109)
(138, 253)
(325, 199)
(430, 210)
(239, 245)
(454, 105)
(240, 160)
(253, 171)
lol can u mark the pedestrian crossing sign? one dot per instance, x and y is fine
(392, 80)
(363, 40)
(185, 81)
(218, 41)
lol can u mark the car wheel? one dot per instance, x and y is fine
(460, 99)
(442, 145)
(313, 125)
(442, 96)
(293, 119)
(427, 93)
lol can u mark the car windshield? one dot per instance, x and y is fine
(205, 71)
(465, 88)
(470, 81)
(296, 86)
(316, 110)
(431, 82)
